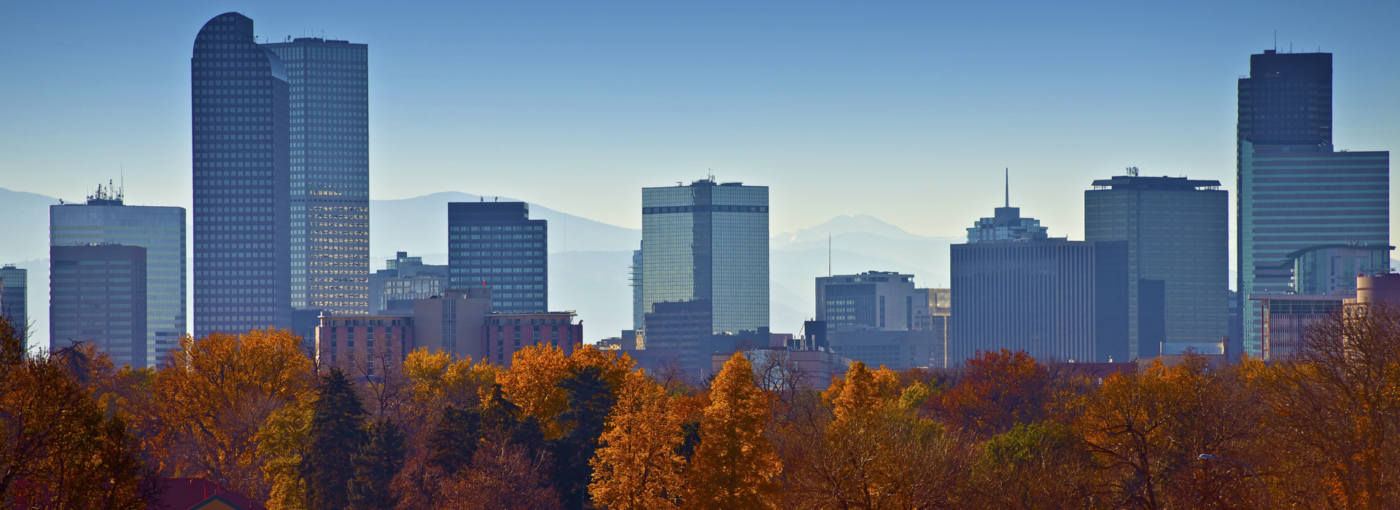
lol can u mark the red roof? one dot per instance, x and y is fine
(191, 493)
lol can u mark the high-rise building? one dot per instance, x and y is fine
(242, 201)
(1178, 234)
(1006, 224)
(403, 280)
(636, 281)
(497, 245)
(14, 303)
(705, 245)
(873, 301)
(98, 295)
(934, 316)
(1295, 190)
(329, 111)
(105, 219)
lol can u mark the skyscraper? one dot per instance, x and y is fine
(105, 219)
(497, 245)
(98, 295)
(1177, 232)
(706, 245)
(1295, 190)
(636, 282)
(873, 300)
(14, 284)
(329, 105)
(242, 201)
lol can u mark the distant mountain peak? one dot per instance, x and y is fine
(846, 224)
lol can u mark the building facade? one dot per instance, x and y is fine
(105, 219)
(497, 245)
(329, 138)
(636, 279)
(1178, 235)
(404, 280)
(934, 316)
(452, 322)
(242, 202)
(896, 350)
(1057, 300)
(505, 333)
(873, 300)
(98, 295)
(14, 301)
(364, 346)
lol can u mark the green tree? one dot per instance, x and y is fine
(376, 463)
(336, 434)
(456, 439)
(590, 400)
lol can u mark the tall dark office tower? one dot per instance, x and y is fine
(1294, 190)
(98, 295)
(1178, 237)
(704, 265)
(106, 219)
(329, 173)
(497, 245)
(242, 201)
(14, 284)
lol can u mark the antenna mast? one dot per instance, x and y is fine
(1008, 186)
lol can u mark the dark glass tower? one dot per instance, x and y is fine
(14, 284)
(329, 173)
(242, 202)
(98, 295)
(497, 245)
(1287, 99)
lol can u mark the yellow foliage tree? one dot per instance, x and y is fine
(533, 379)
(212, 397)
(282, 441)
(636, 466)
(734, 466)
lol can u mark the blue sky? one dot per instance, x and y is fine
(905, 111)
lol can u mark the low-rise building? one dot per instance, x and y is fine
(364, 346)
(505, 333)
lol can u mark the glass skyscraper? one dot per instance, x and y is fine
(497, 245)
(329, 107)
(1177, 234)
(98, 295)
(242, 200)
(707, 244)
(14, 283)
(103, 219)
(1295, 190)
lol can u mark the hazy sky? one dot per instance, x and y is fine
(905, 111)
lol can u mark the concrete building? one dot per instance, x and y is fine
(104, 218)
(873, 300)
(329, 141)
(896, 350)
(704, 264)
(1178, 235)
(1057, 300)
(497, 245)
(636, 278)
(241, 165)
(405, 280)
(452, 322)
(1295, 190)
(98, 295)
(778, 368)
(1334, 268)
(1284, 318)
(14, 301)
(505, 333)
(364, 346)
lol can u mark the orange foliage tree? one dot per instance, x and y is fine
(997, 391)
(636, 466)
(533, 379)
(734, 465)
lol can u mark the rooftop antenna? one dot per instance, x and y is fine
(828, 254)
(122, 193)
(1276, 40)
(1008, 186)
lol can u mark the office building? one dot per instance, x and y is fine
(1295, 190)
(452, 322)
(873, 300)
(934, 315)
(1178, 234)
(801, 369)
(896, 350)
(404, 280)
(505, 333)
(14, 302)
(328, 107)
(97, 294)
(705, 250)
(636, 279)
(364, 346)
(1333, 268)
(1058, 300)
(1006, 224)
(1325, 278)
(105, 218)
(497, 245)
(241, 160)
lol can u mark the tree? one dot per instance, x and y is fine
(456, 439)
(637, 466)
(209, 400)
(536, 371)
(734, 464)
(997, 391)
(283, 442)
(335, 436)
(503, 475)
(589, 402)
(1041, 466)
(378, 461)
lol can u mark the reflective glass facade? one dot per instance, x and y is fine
(329, 104)
(98, 295)
(497, 245)
(13, 301)
(161, 231)
(1177, 233)
(242, 201)
(708, 242)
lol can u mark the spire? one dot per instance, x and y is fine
(1008, 187)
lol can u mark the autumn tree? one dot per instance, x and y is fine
(379, 459)
(502, 475)
(282, 441)
(1039, 466)
(637, 465)
(996, 391)
(335, 436)
(589, 401)
(536, 371)
(734, 464)
(210, 399)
